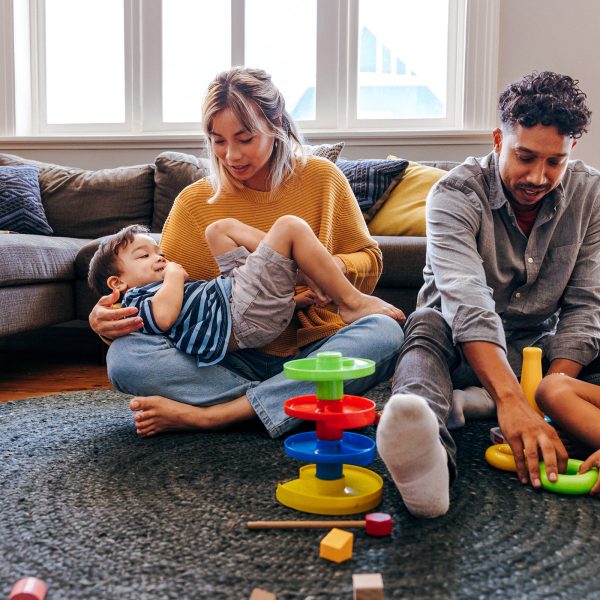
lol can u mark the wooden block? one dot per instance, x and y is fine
(367, 586)
(28, 588)
(337, 545)
(258, 594)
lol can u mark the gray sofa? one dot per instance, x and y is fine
(43, 278)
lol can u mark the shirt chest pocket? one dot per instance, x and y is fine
(554, 274)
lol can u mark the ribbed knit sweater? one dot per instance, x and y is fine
(319, 193)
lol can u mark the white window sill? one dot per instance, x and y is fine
(196, 140)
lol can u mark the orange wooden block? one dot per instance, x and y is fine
(337, 545)
(258, 594)
(367, 586)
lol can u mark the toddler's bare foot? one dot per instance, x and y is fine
(155, 414)
(370, 305)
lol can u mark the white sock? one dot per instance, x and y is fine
(470, 403)
(409, 444)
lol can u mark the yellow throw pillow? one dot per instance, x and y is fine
(403, 213)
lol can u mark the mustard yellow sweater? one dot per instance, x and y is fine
(319, 193)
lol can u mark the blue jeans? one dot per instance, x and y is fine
(145, 365)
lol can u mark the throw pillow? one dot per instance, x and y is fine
(89, 204)
(328, 151)
(370, 179)
(174, 171)
(21, 208)
(404, 211)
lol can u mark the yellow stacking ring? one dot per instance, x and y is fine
(501, 457)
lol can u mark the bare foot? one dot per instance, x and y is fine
(370, 305)
(155, 414)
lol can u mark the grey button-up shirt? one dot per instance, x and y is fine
(492, 283)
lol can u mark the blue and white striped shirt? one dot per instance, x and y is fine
(203, 326)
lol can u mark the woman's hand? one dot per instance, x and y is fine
(112, 323)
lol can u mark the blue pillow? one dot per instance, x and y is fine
(21, 208)
(371, 178)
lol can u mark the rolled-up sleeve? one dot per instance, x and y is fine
(577, 336)
(454, 216)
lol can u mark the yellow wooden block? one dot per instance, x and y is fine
(337, 545)
(367, 586)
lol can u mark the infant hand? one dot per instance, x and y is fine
(173, 268)
(304, 298)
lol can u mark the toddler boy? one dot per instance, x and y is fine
(248, 306)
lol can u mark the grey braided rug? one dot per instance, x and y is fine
(97, 512)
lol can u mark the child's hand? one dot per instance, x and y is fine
(174, 269)
(320, 298)
(588, 463)
(304, 298)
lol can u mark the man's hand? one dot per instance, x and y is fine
(588, 463)
(112, 323)
(529, 435)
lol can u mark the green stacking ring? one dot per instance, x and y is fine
(570, 482)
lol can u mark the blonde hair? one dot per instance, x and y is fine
(260, 107)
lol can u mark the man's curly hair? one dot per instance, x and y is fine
(547, 99)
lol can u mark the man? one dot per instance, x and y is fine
(513, 242)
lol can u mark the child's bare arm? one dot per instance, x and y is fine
(167, 302)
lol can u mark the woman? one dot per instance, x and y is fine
(260, 173)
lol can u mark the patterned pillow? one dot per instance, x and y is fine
(372, 178)
(328, 151)
(21, 208)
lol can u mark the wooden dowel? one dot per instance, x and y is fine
(302, 524)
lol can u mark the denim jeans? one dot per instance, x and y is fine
(431, 366)
(145, 365)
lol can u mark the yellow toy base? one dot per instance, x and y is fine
(358, 490)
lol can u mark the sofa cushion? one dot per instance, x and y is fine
(30, 259)
(30, 307)
(371, 178)
(90, 204)
(173, 172)
(21, 208)
(403, 212)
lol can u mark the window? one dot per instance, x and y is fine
(142, 66)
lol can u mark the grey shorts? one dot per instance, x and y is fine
(262, 297)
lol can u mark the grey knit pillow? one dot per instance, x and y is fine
(328, 151)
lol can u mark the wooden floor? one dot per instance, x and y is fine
(56, 359)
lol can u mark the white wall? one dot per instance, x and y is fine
(554, 35)
(534, 35)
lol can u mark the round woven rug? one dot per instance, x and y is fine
(97, 512)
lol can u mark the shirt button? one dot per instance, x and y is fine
(530, 260)
(517, 295)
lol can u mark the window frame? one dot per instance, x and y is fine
(471, 105)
